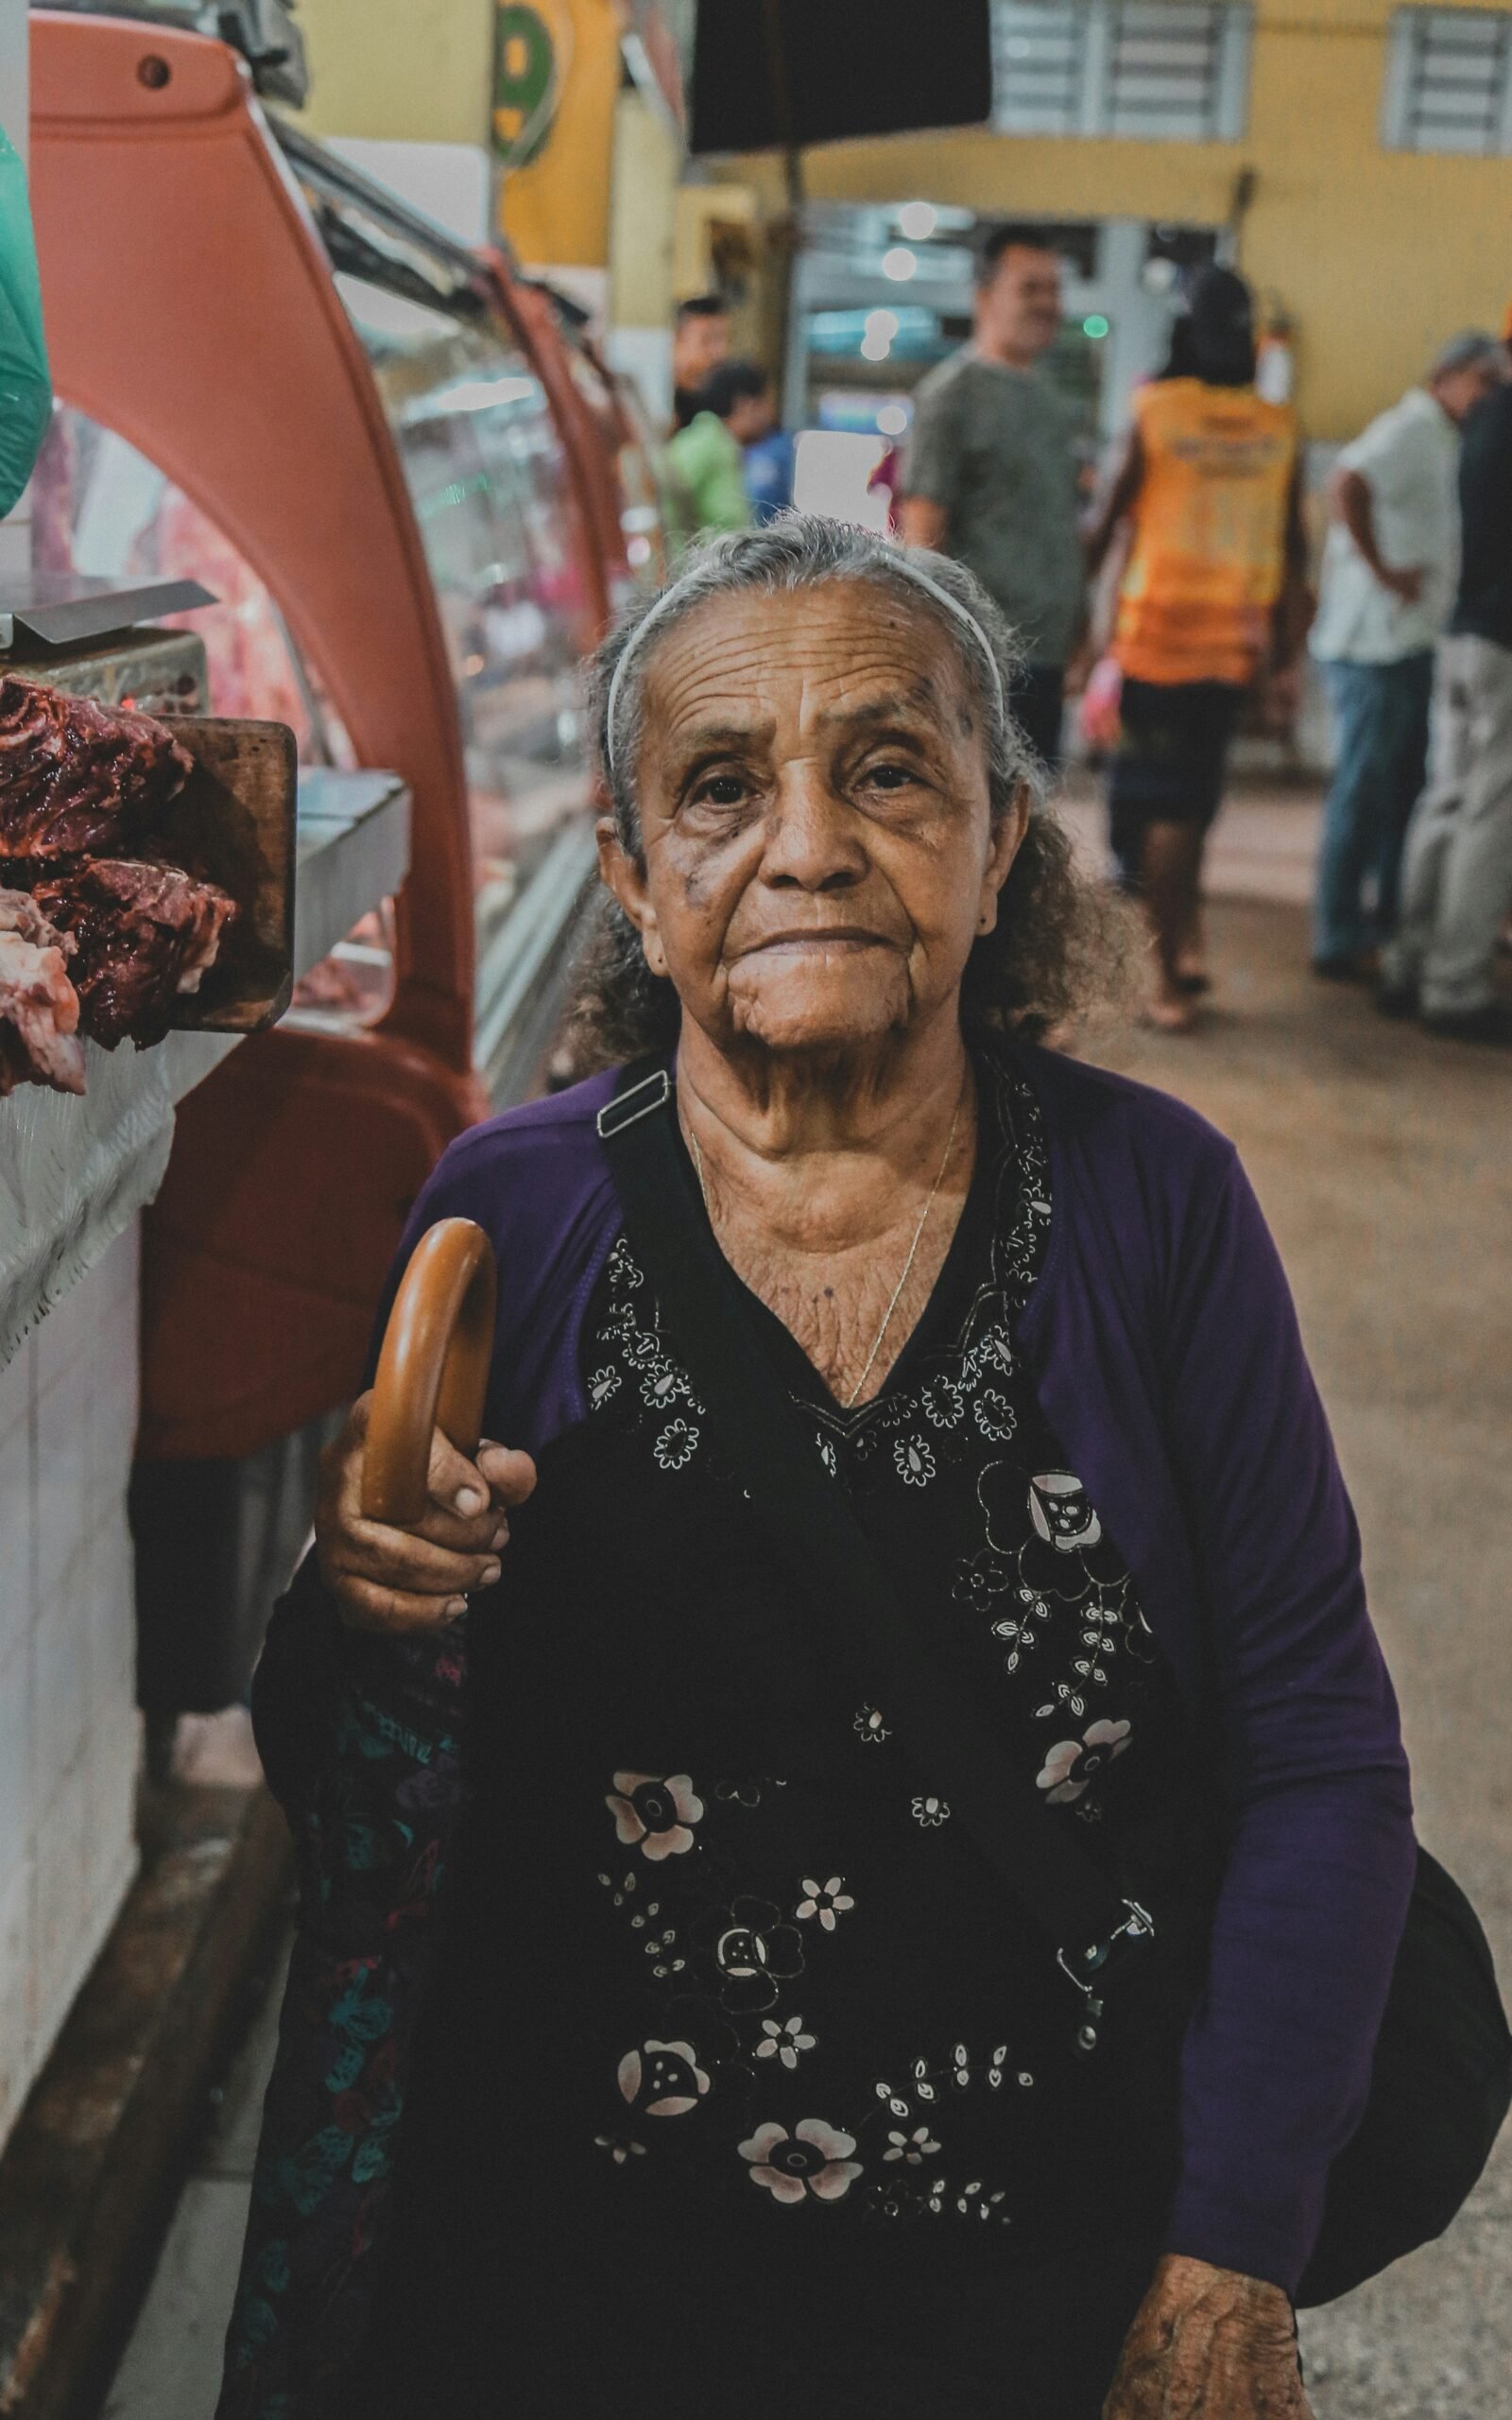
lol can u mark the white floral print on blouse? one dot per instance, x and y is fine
(784, 2040)
(1072, 1763)
(826, 1900)
(663, 2078)
(659, 1814)
(813, 2158)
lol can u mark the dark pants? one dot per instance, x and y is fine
(1170, 763)
(812, 2327)
(1037, 698)
(1380, 763)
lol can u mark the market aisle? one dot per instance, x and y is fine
(171, 2369)
(1384, 1163)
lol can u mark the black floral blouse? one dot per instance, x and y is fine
(743, 1954)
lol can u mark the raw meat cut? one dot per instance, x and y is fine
(38, 1005)
(143, 934)
(78, 777)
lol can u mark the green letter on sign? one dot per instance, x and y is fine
(525, 83)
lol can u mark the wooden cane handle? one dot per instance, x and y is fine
(433, 1372)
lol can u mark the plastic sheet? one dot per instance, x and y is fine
(25, 383)
(73, 1175)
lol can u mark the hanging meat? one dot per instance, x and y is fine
(76, 777)
(38, 1005)
(99, 936)
(141, 934)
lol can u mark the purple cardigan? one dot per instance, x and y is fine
(1166, 1356)
(1165, 1353)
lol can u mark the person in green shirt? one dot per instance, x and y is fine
(705, 462)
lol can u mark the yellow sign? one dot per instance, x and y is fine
(556, 76)
(524, 84)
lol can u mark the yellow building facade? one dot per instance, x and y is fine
(1374, 255)
(407, 71)
(423, 71)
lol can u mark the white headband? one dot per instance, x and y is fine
(961, 614)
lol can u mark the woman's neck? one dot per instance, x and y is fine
(829, 1152)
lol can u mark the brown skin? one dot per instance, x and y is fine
(1209, 2344)
(1017, 313)
(405, 1581)
(699, 344)
(752, 417)
(1016, 319)
(819, 858)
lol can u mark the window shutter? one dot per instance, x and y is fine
(1447, 86)
(1170, 70)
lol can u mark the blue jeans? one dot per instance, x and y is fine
(1380, 763)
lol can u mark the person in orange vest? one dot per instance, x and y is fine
(1213, 593)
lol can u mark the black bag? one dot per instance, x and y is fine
(1439, 2089)
(1442, 2078)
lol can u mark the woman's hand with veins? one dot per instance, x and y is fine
(1209, 2344)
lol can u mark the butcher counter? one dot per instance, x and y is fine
(75, 1175)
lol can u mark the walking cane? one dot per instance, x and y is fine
(433, 1371)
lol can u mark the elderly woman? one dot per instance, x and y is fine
(663, 2033)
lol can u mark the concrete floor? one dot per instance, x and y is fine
(1384, 1163)
(171, 2368)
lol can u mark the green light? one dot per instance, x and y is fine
(1094, 326)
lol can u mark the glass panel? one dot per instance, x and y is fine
(623, 429)
(102, 509)
(491, 492)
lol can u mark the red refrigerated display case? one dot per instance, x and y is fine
(378, 447)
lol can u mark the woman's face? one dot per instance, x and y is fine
(819, 850)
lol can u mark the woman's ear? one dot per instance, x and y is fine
(1007, 840)
(625, 876)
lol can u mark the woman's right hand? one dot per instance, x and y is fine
(404, 1580)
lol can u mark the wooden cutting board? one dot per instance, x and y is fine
(232, 823)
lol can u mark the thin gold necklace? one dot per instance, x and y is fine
(913, 1249)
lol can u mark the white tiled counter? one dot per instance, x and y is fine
(70, 1733)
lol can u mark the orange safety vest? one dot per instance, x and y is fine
(1210, 527)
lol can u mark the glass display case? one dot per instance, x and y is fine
(491, 486)
(508, 550)
(101, 508)
(625, 428)
(489, 479)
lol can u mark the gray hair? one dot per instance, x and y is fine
(1060, 942)
(794, 552)
(1472, 349)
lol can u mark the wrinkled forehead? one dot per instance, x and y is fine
(843, 650)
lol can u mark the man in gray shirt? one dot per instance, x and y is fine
(991, 472)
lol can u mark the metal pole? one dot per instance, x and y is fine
(785, 234)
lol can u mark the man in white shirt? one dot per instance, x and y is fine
(1389, 573)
